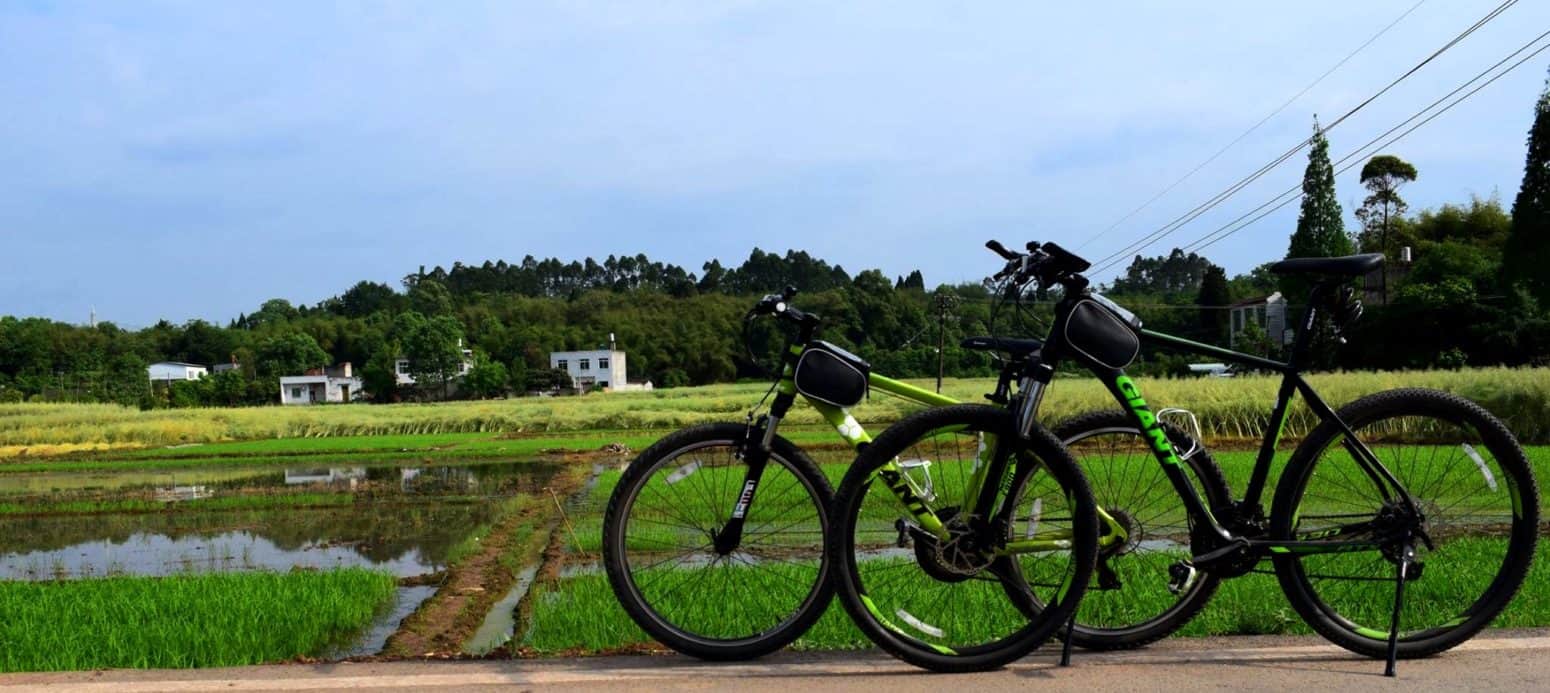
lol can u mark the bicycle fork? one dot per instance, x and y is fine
(756, 455)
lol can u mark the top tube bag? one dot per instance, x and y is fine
(831, 375)
(1100, 336)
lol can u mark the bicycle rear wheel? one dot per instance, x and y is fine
(1132, 604)
(943, 603)
(659, 545)
(1480, 503)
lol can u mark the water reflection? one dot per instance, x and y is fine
(405, 520)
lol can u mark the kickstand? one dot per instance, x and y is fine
(1065, 645)
(1399, 601)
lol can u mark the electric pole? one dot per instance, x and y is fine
(945, 303)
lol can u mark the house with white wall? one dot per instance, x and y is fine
(401, 367)
(596, 369)
(167, 371)
(337, 385)
(1268, 312)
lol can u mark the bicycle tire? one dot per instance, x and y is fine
(1512, 470)
(676, 633)
(935, 656)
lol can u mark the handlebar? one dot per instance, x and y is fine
(780, 306)
(1044, 263)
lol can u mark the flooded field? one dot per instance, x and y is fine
(409, 521)
(403, 520)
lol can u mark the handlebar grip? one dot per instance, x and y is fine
(997, 248)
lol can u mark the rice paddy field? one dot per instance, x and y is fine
(474, 528)
(220, 619)
(1227, 408)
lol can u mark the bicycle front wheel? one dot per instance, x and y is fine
(1480, 512)
(943, 602)
(660, 534)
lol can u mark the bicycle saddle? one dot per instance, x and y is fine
(1349, 265)
(1016, 347)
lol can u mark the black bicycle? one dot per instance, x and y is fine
(1401, 525)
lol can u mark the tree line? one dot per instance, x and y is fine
(1474, 295)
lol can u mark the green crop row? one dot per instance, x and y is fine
(205, 620)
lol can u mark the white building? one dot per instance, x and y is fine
(1268, 312)
(166, 371)
(337, 385)
(401, 367)
(599, 369)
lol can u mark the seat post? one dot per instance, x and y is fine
(1304, 338)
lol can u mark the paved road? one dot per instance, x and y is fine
(1502, 660)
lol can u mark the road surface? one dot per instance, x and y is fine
(1499, 660)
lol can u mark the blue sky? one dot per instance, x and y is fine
(190, 160)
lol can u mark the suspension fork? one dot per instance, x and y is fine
(1031, 388)
(756, 455)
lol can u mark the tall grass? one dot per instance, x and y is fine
(1230, 408)
(221, 619)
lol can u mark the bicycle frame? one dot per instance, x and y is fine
(1129, 396)
(977, 494)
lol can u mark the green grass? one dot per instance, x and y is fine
(141, 505)
(222, 619)
(580, 614)
(1234, 408)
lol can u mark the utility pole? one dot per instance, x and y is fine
(945, 303)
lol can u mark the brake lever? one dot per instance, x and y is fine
(996, 247)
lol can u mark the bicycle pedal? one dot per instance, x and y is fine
(1181, 577)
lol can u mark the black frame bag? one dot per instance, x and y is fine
(831, 375)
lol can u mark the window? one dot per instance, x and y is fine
(295, 393)
(586, 364)
(562, 364)
(403, 368)
(602, 363)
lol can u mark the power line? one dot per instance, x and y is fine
(1202, 208)
(1252, 129)
(1234, 226)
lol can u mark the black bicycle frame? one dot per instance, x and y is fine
(1129, 396)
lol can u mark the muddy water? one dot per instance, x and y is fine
(401, 519)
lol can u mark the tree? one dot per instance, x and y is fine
(1382, 175)
(1528, 243)
(430, 297)
(433, 348)
(1175, 273)
(546, 379)
(366, 298)
(516, 375)
(380, 375)
(1212, 299)
(290, 354)
(486, 378)
(1320, 230)
(1320, 233)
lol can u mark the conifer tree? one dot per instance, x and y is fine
(1528, 243)
(1212, 300)
(1320, 228)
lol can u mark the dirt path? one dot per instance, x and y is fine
(441, 625)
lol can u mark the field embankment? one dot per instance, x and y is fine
(1228, 408)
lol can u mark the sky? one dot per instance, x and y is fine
(183, 160)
